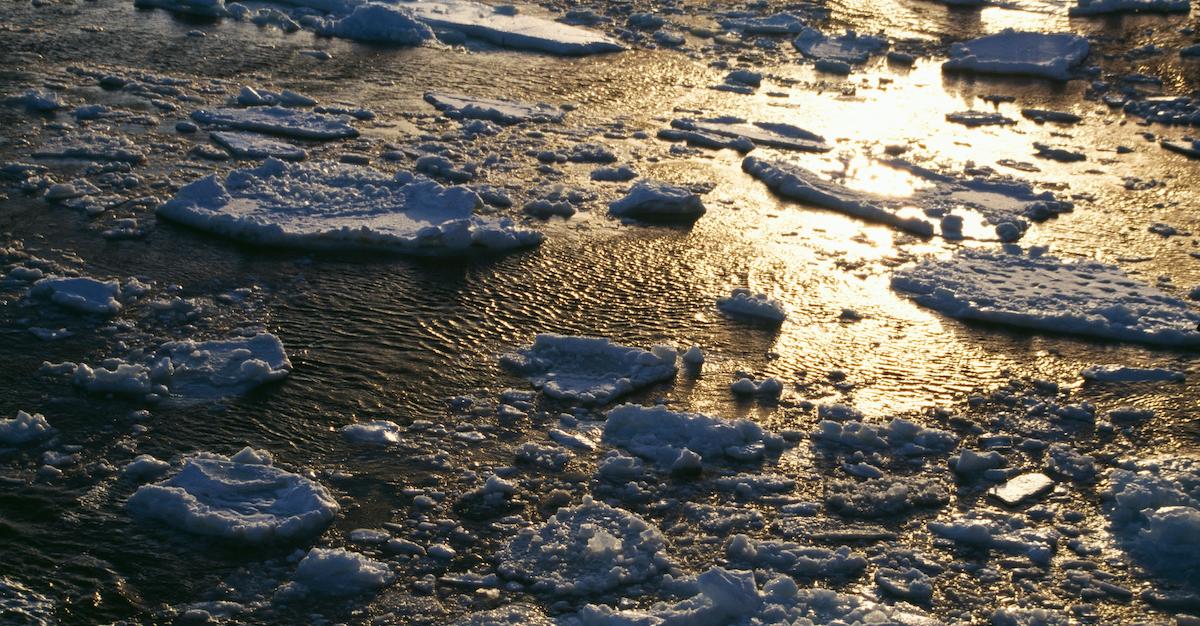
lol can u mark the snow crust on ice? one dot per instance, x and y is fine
(341, 207)
(649, 199)
(253, 146)
(243, 498)
(24, 428)
(338, 572)
(85, 295)
(773, 134)
(1041, 292)
(794, 559)
(279, 121)
(1104, 7)
(1154, 509)
(901, 436)
(742, 301)
(1126, 374)
(1042, 55)
(504, 112)
(849, 47)
(145, 467)
(797, 183)
(511, 29)
(379, 432)
(583, 550)
(589, 370)
(379, 23)
(663, 436)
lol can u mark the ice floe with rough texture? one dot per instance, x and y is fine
(584, 550)
(1104, 7)
(91, 147)
(85, 295)
(379, 23)
(1126, 374)
(1154, 509)
(773, 134)
(379, 432)
(36, 101)
(778, 24)
(505, 112)
(145, 467)
(341, 207)
(1042, 292)
(885, 496)
(242, 498)
(1008, 534)
(901, 436)
(224, 367)
(338, 572)
(254, 146)
(24, 428)
(656, 200)
(797, 183)
(1051, 55)
(671, 438)
(279, 121)
(510, 29)
(589, 370)
(794, 559)
(850, 48)
(743, 302)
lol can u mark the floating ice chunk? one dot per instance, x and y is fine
(589, 370)
(900, 435)
(379, 23)
(1022, 489)
(661, 435)
(253, 146)
(85, 295)
(794, 559)
(249, 96)
(1006, 534)
(883, 497)
(1155, 513)
(971, 464)
(742, 301)
(36, 101)
(618, 467)
(91, 147)
(242, 499)
(279, 121)
(24, 428)
(979, 118)
(145, 467)
(1104, 7)
(1045, 293)
(585, 550)
(1125, 374)
(910, 584)
(693, 356)
(504, 112)
(773, 134)
(1189, 149)
(203, 8)
(656, 200)
(330, 206)
(1063, 460)
(778, 24)
(1043, 55)
(850, 47)
(1013, 616)
(1043, 115)
(512, 30)
(223, 367)
(338, 572)
(380, 432)
(123, 378)
(797, 183)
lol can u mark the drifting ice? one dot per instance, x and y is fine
(590, 370)
(1021, 53)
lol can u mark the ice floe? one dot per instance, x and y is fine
(1126, 374)
(901, 436)
(885, 496)
(91, 147)
(1104, 7)
(794, 559)
(585, 550)
(279, 121)
(777, 24)
(746, 303)
(242, 498)
(656, 200)
(772, 134)
(85, 295)
(254, 146)
(1041, 292)
(590, 370)
(1044, 55)
(666, 437)
(379, 23)
(379, 432)
(24, 428)
(504, 112)
(338, 572)
(849, 48)
(1154, 509)
(511, 29)
(202, 8)
(1008, 534)
(341, 207)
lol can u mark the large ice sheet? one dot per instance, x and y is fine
(583, 550)
(1051, 55)
(590, 370)
(504, 112)
(511, 29)
(662, 435)
(333, 206)
(243, 498)
(279, 121)
(797, 183)
(1046, 293)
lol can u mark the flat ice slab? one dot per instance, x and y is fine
(85, 295)
(590, 370)
(379, 23)
(1104, 7)
(1023, 488)
(585, 550)
(849, 47)
(504, 112)
(279, 121)
(1125, 374)
(778, 24)
(255, 146)
(224, 367)
(511, 30)
(775, 135)
(1046, 293)
(662, 435)
(91, 147)
(797, 183)
(243, 498)
(649, 199)
(1042, 55)
(341, 207)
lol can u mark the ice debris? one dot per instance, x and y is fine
(664, 437)
(511, 29)
(85, 295)
(590, 370)
(504, 112)
(744, 302)
(23, 429)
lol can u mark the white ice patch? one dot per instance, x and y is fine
(849, 48)
(338, 572)
(590, 370)
(1006, 534)
(1126, 374)
(145, 467)
(587, 549)
(1045, 293)
(224, 367)
(1043, 55)
(901, 436)
(742, 301)
(1103, 7)
(85, 295)
(504, 112)
(797, 183)
(91, 147)
(279, 121)
(885, 496)
(24, 428)
(1155, 512)
(661, 435)
(243, 498)
(341, 207)
(794, 559)
(778, 24)
(377, 432)
(510, 29)
(379, 23)
(254, 146)
(649, 199)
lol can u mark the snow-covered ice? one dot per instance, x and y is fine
(901, 436)
(341, 207)
(24, 428)
(505, 112)
(850, 47)
(744, 302)
(1046, 55)
(1041, 292)
(85, 295)
(1104, 7)
(254, 146)
(585, 550)
(1005, 533)
(590, 370)
(379, 23)
(91, 147)
(885, 496)
(223, 367)
(379, 432)
(1126, 374)
(511, 29)
(794, 559)
(338, 572)
(279, 121)
(649, 199)
(242, 498)
(777, 24)
(661, 435)
(1154, 510)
